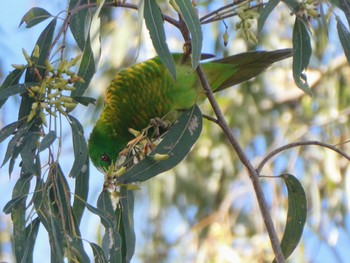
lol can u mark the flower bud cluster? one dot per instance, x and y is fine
(247, 19)
(308, 8)
(52, 95)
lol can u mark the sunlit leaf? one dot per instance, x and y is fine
(35, 16)
(154, 23)
(344, 37)
(79, 146)
(296, 216)
(11, 79)
(176, 144)
(265, 12)
(301, 55)
(193, 24)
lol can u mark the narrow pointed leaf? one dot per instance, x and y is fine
(176, 144)
(193, 24)
(15, 89)
(11, 79)
(99, 255)
(301, 55)
(127, 223)
(31, 233)
(81, 191)
(154, 23)
(265, 12)
(47, 140)
(344, 37)
(85, 100)
(35, 16)
(8, 130)
(296, 216)
(345, 6)
(79, 146)
(79, 22)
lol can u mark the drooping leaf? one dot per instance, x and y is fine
(11, 79)
(18, 215)
(293, 5)
(13, 203)
(81, 191)
(79, 22)
(193, 24)
(175, 145)
(15, 89)
(127, 223)
(94, 32)
(86, 70)
(79, 146)
(344, 37)
(35, 16)
(345, 6)
(31, 233)
(47, 140)
(301, 55)
(265, 12)
(85, 100)
(8, 130)
(296, 216)
(99, 255)
(154, 23)
(29, 153)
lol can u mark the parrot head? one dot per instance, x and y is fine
(104, 148)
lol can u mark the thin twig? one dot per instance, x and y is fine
(254, 176)
(298, 144)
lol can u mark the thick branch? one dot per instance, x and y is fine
(254, 176)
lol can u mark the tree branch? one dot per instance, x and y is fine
(254, 176)
(298, 144)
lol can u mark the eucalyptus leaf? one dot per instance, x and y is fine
(265, 12)
(344, 37)
(296, 216)
(35, 16)
(47, 140)
(79, 22)
(193, 24)
(175, 145)
(154, 23)
(301, 55)
(11, 79)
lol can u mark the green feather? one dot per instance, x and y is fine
(147, 90)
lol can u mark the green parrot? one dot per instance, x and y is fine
(147, 91)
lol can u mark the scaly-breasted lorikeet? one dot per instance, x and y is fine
(147, 90)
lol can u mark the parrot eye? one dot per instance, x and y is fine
(105, 158)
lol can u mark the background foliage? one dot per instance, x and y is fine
(204, 209)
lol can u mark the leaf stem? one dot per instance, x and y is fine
(254, 176)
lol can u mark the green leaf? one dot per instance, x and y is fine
(85, 100)
(47, 140)
(31, 234)
(15, 89)
(11, 79)
(29, 153)
(99, 256)
(345, 6)
(86, 70)
(301, 55)
(81, 191)
(35, 16)
(106, 221)
(8, 130)
(193, 24)
(154, 23)
(13, 204)
(18, 214)
(127, 223)
(296, 216)
(293, 5)
(265, 12)
(79, 146)
(79, 22)
(344, 37)
(176, 144)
